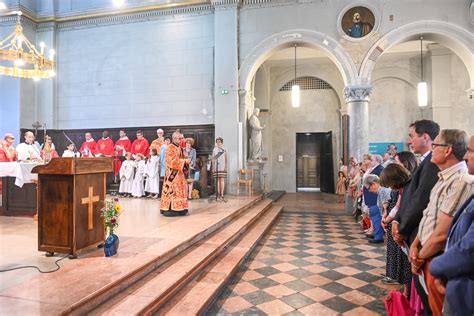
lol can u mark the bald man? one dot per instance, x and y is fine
(28, 151)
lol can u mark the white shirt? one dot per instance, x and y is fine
(27, 152)
(68, 153)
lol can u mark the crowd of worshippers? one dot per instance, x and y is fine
(143, 169)
(422, 202)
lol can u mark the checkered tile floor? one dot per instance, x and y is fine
(309, 263)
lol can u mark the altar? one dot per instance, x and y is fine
(18, 189)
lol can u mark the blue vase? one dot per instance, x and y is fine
(111, 245)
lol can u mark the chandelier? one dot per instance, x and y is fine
(19, 58)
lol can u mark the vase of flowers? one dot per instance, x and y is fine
(110, 213)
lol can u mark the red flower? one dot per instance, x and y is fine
(113, 221)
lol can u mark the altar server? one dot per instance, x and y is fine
(152, 183)
(126, 176)
(140, 168)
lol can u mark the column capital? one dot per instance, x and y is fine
(226, 4)
(357, 93)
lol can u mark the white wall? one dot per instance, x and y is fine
(139, 74)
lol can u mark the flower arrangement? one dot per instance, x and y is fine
(110, 213)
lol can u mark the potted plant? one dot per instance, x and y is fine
(110, 213)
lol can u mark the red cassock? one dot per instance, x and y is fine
(124, 143)
(140, 146)
(88, 149)
(105, 147)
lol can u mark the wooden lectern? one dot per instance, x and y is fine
(71, 192)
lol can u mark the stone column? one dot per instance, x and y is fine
(357, 99)
(226, 76)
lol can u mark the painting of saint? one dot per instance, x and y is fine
(358, 22)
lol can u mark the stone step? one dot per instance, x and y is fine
(196, 297)
(158, 287)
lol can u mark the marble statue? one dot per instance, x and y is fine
(256, 136)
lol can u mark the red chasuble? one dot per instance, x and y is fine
(7, 155)
(88, 149)
(124, 143)
(140, 146)
(105, 147)
(174, 196)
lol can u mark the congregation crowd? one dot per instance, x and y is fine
(166, 168)
(422, 202)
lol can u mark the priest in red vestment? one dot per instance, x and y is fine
(105, 146)
(7, 151)
(174, 198)
(88, 148)
(140, 145)
(123, 145)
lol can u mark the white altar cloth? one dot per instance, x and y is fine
(20, 171)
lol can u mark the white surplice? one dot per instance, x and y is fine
(126, 176)
(152, 184)
(138, 185)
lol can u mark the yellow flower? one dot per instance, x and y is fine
(118, 208)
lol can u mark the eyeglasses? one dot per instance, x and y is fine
(433, 145)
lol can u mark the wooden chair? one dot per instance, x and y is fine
(246, 179)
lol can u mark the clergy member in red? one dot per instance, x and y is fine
(88, 147)
(7, 151)
(105, 146)
(140, 145)
(123, 145)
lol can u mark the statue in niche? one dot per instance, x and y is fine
(358, 22)
(256, 145)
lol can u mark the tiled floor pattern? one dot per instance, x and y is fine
(310, 263)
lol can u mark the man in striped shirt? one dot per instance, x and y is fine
(453, 188)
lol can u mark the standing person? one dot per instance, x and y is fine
(152, 174)
(28, 151)
(416, 194)
(341, 185)
(126, 176)
(453, 188)
(454, 269)
(343, 167)
(123, 144)
(88, 148)
(70, 151)
(48, 152)
(7, 151)
(140, 145)
(163, 162)
(352, 182)
(174, 201)
(138, 189)
(219, 167)
(190, 152)
(105, 146)
(397, 269)
(157, 143)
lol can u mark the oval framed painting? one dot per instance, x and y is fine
(358, 22)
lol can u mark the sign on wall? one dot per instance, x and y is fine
(382, 148)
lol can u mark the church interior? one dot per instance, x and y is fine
(123, 120)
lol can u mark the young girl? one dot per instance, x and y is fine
(219, 167)
(140, 168)
(152, 183)
(126, 176)
(341, 185)
(48, 151)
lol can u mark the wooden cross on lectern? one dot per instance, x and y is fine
(90, 200)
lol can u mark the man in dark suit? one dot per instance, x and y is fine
(370, 199)
(416, 195)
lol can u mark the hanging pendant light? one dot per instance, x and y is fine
(422, 86)
(295, 90)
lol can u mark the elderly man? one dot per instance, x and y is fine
(88, 148)
(28, 151)
(157, 143)
(7, 151)
(453, 188)
(455, 266)
(370, 200)
(174, 200)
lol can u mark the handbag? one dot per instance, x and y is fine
(397, 304)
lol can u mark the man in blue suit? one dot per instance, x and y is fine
(416, 194)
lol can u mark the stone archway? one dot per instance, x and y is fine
(457, 39)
